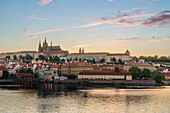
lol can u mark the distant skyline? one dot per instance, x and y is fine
(141, 26)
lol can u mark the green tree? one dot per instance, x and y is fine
(113, 59)
(102, 60)
(8, 57)
(50, 58)
(20, 57)
(72, 76)
(36, 75)
(41, 57)
(117, 69)
(93, 61)
(120, 61)
(135, 72)
(5, 74)
(29, 70)
(22, 70)
(158, 76)
(145, 74)
(80, 60)
(76, 59)
(55, 59)
(15, 57)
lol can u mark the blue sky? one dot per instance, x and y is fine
(142, 26)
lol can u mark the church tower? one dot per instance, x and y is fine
(39, 47)
(83, 50)
(80, 50)
(45, 45)
(127, 52)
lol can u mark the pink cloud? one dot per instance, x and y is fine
(104, 38)
(47, 31)
(26, 31)
(111, 0)
(34, 17)
(30, 37)
(44, 2)
(128, 39)
(87, 18)
(20, 44)
(159, 40)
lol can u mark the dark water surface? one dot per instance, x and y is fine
(50, 98)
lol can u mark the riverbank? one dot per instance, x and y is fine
(89, 82)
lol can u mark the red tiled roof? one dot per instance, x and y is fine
(3, 68)
(26, 75)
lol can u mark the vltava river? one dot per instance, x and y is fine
(49, 98)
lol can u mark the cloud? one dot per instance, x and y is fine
(32, 37)
(44, 2)
(47, 31)
(110, 0)
(26, 31)
(92, 35)
(83, 45)
(147, 0)
(159, 39)
(34, 17)
(87, 18)
(161, 18)
(20, 44)
(104, 38)
(128, 39)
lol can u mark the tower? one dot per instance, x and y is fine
(45, 45)
(80, 50)
(39, 47)
(83, 50)
(127, 52)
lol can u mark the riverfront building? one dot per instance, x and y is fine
(75, 68)
(128, 65)
(100, 56)
(104, 75)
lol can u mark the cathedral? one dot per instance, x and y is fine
(45, 47)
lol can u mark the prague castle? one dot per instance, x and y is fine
(45, 47)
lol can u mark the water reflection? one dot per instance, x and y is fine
(64, 98)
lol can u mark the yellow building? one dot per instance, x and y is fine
(75, 68)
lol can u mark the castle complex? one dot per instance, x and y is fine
(45, 47)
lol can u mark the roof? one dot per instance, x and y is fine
(56, 52)
(103, 72)
(118, 54)
(138, 64)
(89, 53)
(26, 75)
(3, 68)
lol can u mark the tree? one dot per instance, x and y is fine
(55, 59)
(80, 60)
(117, 69)
(146, 74)
(22, 70)
(36, 75)
(113, 59)
(102, 60)
(29, 70)
(135, 72)
(158, 76)
(5, 74)
(15, 57)
(120, 61)
(7, 57)
(41, 57)
(76, 59)
(72, 76)
(93, 61)
(50, 58)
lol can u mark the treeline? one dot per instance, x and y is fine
(146, 74)
(154, 58)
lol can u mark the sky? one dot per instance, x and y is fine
(141, 26)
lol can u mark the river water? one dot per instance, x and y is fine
(50, 98)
